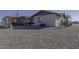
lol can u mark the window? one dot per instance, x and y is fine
(39, 19)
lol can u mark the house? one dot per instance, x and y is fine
(15, 20)
(41, 18)
(47, 18)
(7, 20)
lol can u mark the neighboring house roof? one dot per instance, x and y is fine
(10, 17)
(44, 12)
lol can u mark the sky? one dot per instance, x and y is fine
(73, 13)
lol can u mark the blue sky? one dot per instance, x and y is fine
(73, 13)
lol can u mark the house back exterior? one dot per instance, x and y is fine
(42, 17)
(47, 18)
(15, 21)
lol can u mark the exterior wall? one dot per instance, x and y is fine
(49, 20)
(6, 22)
(57, 23)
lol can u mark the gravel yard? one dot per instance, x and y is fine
(46, 38)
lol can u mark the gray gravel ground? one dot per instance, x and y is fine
(47, 38)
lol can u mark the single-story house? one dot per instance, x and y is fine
(41, 18)
(9, 20)
(47, 18)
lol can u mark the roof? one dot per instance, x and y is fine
(44, 12)
(11, 17)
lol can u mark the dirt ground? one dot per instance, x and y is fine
(46, 38)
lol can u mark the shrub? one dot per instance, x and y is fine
(42, 25)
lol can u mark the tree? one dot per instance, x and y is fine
(66, 21)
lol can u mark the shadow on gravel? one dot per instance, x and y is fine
(30, 27)
(1, 27)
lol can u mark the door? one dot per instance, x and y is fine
(57, 22)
